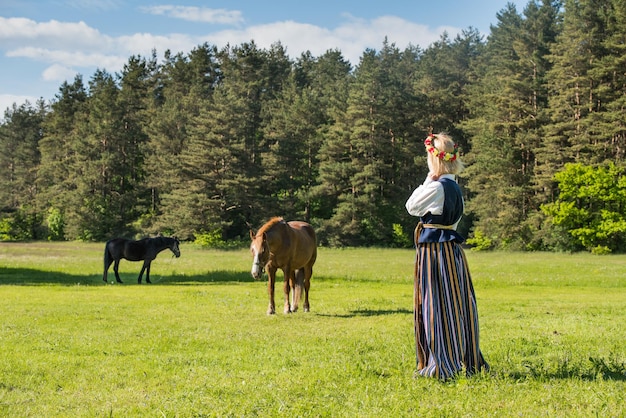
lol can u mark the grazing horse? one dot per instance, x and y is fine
(291, 247)
(145, 249)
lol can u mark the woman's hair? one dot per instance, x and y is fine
(444, 146)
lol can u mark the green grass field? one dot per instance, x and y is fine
(197, 342)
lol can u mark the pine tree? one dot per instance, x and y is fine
(135, 91)
(609, 126)
(19, 160)
(572, 133)
(56, 180)
(294, 125)
(326, 81)
(363, 151)
(252, 80)
(181, 86)
(98, 148)
(508, 103)
(292, 141)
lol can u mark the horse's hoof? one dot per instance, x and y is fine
(104, 280)
(306, 308)
(294, 309)
(270, 312)
(119, 281)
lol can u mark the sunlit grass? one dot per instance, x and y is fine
(197, 342)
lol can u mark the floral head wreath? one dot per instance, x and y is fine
(442, 155)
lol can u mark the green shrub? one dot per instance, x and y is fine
(56, 225)
(479, 242)
(601, 250)
(214, 240)
(400, 239)
(21, 225)
(5, 229)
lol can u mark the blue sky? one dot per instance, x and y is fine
(45, 42)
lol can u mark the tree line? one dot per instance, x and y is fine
(207, 143)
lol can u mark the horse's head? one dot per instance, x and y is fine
(260, 253)
(175, 247)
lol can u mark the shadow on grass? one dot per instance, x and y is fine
(368, 312)
(600, 368)
(210, 277)
(33, 277)
(610, 369)
(26, 276)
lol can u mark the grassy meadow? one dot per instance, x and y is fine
(197, 342)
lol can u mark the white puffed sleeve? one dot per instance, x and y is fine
(428, 197)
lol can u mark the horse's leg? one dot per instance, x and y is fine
(107, 263)
(146, 263)
(297, 288)
(148, 272)
(271, 278)
(116, 267)
(286, 288)
(308, 272)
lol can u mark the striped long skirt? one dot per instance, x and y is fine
(445, 313)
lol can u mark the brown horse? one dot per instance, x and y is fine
(291, 247)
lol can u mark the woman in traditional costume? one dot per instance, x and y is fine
(445, 312)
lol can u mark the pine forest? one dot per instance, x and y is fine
(209, 143)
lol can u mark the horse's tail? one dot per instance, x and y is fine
(298, 283)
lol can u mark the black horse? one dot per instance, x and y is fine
(145, 249)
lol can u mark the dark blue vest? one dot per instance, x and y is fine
(452, 212)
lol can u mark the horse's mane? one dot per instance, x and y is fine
(162, 239)
(269, 224)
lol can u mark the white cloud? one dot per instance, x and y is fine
(352, 38)
(73, 44)
(70, 47)
(144, 43)
(59, 73)
(197, 14)
(70, 58)
(17, 32)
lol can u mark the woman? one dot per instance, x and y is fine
(445, 313)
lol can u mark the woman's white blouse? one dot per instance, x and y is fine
(428, 197)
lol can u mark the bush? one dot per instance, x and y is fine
(5, 229)
(21, 225)
(480, 242)
(214, 240)
(56, 225)
(400, 239)
(601, 250)
(590, 206)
